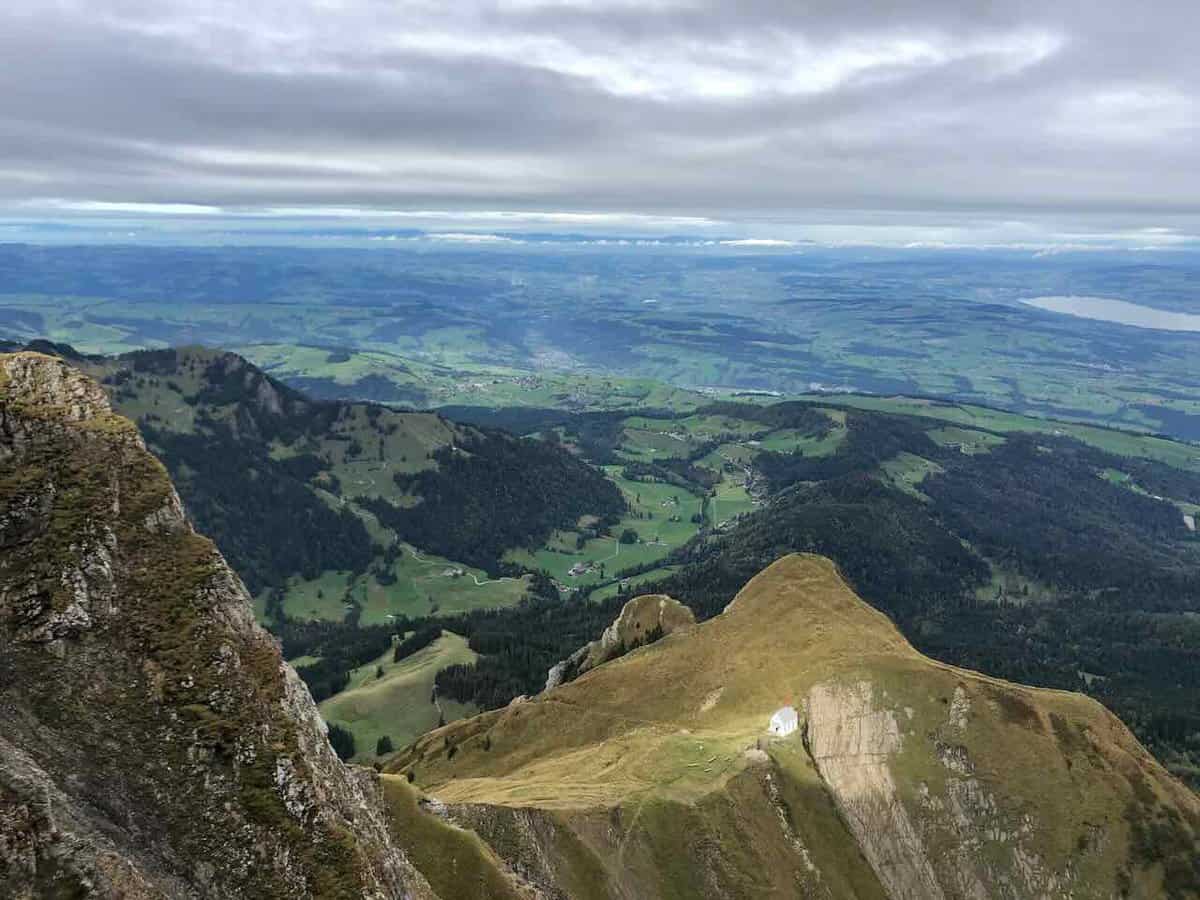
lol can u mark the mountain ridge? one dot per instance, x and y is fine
(153, 743)
(938, 781)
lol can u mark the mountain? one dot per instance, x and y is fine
(346, 514)
(153, 743)
(1042, 552)
(254, 459)
(655, 775)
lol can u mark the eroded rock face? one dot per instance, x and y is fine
(952, 836)
(51, 390)
(852, 741)
(153, 743)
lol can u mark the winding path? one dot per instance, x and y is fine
(474, 577)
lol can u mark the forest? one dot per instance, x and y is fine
(496, 492)
(260, 511)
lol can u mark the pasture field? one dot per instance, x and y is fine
(789, 440)
(730, 499)
(658, 440)
(424, 585)
(968, 440)
(452, 380)
(632, 584)
(985, 419)
(906, 471)
(661, 514)
(398, 703)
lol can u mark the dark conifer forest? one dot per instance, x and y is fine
(496, 492)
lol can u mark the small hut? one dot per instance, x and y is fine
(784, 721)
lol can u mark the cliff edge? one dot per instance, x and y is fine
(153, 743)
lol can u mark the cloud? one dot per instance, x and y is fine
(137, 209)
(647, 115)
(758, 242)
(471, 238)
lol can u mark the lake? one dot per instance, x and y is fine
(1118, 311)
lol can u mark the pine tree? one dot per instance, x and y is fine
(342, 741)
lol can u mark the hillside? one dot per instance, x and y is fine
(321, 505)
(1051, 553)
(396, 698)
(654, 775)
(153, 744)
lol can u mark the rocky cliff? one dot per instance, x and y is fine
(643, 620)
(653, 775)
(153, 744)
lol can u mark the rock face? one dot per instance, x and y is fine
(654, 775)
(852, 742)
(641, 621)
(153, 744)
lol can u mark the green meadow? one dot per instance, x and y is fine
(398, 702)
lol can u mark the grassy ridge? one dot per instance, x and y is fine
(673, 758)
(982, 421)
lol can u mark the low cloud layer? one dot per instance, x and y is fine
(761, 111)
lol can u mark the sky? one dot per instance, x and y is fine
(1056, 123)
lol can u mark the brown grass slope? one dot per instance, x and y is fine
(908, 778)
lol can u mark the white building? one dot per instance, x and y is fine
(784, 721)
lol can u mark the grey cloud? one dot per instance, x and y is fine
(1004, 109)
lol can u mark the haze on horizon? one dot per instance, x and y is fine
(1067, 123)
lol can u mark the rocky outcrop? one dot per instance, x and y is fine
(50, 391)
(153, 743)
(642, 620)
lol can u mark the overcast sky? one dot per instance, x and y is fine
(1062, 118)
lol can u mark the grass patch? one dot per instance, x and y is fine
(967, 440)
(398, 704)
(906, 471)
(414, 585)
(661, 515)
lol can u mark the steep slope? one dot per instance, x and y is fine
(287, 485)
(153, 744)
(654, 775)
